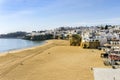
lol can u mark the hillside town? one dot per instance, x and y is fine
(84, 36)
(105, 38)
(102, 34)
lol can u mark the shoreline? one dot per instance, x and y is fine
(13, 44)
(23, 49)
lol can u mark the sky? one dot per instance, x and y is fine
(31, 15)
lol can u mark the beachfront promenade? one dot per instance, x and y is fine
(55, 60)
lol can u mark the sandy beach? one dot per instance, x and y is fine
(55, 60)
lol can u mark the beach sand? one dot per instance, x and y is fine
(55, 60)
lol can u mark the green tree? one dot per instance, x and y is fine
(106, 27)
(75, 40)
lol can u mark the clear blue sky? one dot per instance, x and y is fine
(28, 15)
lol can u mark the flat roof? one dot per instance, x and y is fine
(106, 74)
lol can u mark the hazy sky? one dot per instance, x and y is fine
(28, 15)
